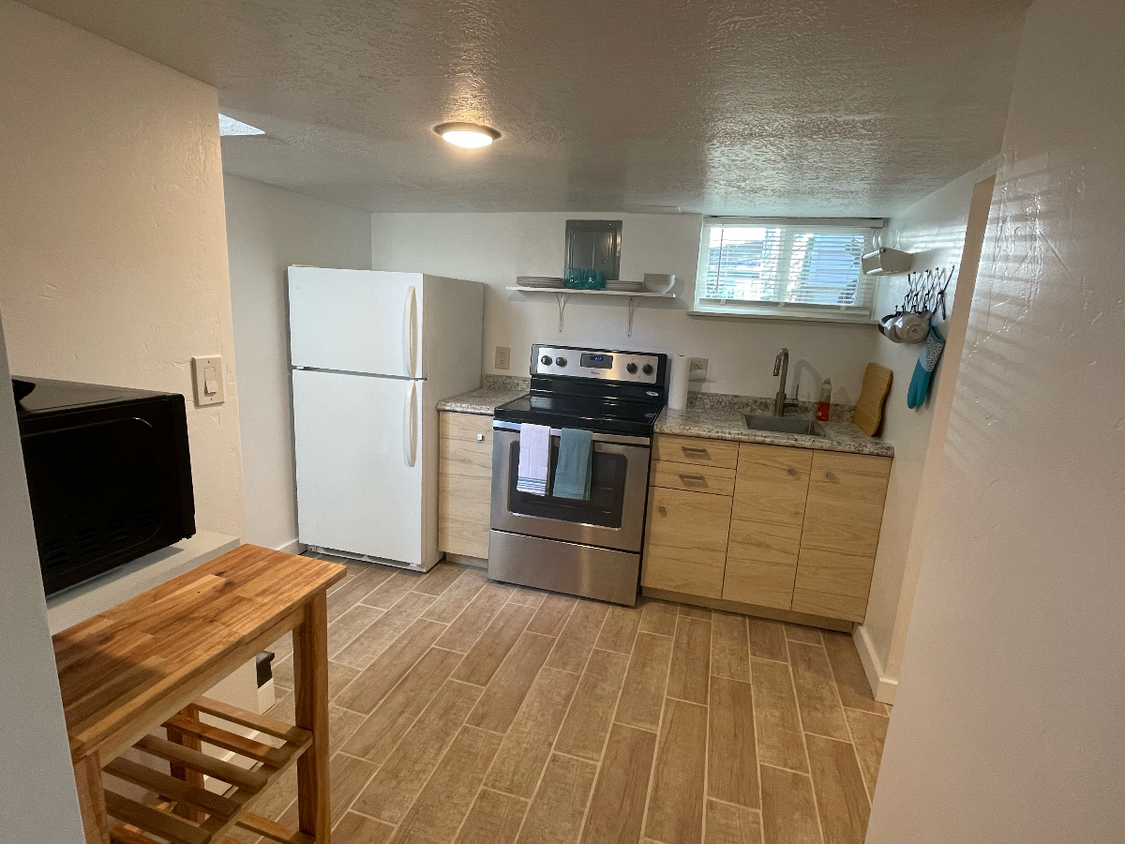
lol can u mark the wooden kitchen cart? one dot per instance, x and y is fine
(134, 676)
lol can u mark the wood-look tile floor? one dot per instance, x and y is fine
(470, 712)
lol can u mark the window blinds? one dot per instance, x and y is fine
(785, 266)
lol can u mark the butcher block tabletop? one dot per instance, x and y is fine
(142, 660)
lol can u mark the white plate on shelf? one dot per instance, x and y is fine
(630, 286)
(539, 281)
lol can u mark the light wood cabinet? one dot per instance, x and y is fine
(798, 535)
(686, 541)
(464, 483)
(841, 534)
(765, 534)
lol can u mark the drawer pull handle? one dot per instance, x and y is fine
(687, 449)
(830, 476)
(693, 479)
(480, 438)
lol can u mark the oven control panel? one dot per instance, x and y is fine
(631, 367)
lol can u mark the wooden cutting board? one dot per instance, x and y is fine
(869, 408)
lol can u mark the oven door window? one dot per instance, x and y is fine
(607, 491)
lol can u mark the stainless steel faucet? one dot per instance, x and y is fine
(780, 367)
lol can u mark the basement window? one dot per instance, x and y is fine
(803, 269)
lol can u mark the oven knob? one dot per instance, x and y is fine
(560, 361)
(545, 360)
(631, 368)
(647, 369)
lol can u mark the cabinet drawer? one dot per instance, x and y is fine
(692, 477)
(686, 542)
(465, 446)
(695, 450)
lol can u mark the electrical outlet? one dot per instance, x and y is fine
(697, 369)
(503, 358)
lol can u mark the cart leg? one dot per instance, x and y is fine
(91, 799)
(186, 774)
(310, 669)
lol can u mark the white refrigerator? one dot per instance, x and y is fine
(372, 353)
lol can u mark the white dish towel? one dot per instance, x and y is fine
(535, 448)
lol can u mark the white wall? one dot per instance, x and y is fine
(934, 231)
(267, 230)
(38, 801)
(495, 248)
(1008, 724)
(114, 244)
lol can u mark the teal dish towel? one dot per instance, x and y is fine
(573, 471)
(932, 348)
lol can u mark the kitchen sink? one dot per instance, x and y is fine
(784, 424)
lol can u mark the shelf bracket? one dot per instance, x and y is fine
(632, 308)
(561, 299)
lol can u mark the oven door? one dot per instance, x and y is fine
(613, 517)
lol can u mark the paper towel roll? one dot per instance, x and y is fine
(677, 390)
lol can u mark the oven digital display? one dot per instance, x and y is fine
(592, 361)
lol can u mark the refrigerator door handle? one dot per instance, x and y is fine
(410, 334)
(410, 428)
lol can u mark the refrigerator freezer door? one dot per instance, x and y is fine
(359, 476)
(356, 321)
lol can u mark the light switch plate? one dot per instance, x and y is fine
(503, 357)
(207, 380)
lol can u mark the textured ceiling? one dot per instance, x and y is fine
(800, 107)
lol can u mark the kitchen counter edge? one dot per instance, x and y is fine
(714, 424)
(480, 402)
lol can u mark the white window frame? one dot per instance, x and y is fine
(861, 314)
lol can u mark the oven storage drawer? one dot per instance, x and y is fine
(716, 453)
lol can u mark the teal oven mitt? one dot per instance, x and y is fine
(928, 357)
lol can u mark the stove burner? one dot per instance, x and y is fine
(594, 389)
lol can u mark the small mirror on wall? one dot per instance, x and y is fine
(594, 245)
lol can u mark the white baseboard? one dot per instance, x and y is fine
(882, 687)
(293, 546)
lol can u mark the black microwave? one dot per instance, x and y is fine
(108, 472)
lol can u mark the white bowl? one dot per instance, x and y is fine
(659, 282)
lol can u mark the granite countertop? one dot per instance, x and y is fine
(483, 401)
(714, 416)
(727, 423)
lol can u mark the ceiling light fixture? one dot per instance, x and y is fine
(467, 135)
(230, 126)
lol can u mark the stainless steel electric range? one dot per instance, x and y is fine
(589, 547)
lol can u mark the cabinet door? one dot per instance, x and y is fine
(765, 529)
(686, 542)
(464, 484)
(841, 534)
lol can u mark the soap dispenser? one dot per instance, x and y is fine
(824, 404)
